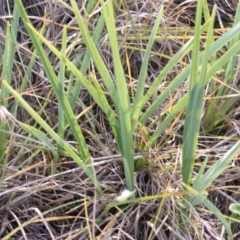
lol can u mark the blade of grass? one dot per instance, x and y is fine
(103, 103)
(182, 103)
(173, 85)
(64, 145)
(173, 113)
(123, 102)
(21, 89)
(4, 95)
(213, 57)
(195, 98)
(144, 68)
(213, 116)
(216, 46)
(86, 60)
(142, 199)
(211, 207)
(38, 134)
(217, 168)
(9, 53)
(103, 70)
(61, 77)
(82, 146)
(28, 70)
(10, 44)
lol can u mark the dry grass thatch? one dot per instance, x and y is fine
(44, 200)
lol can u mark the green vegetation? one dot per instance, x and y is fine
(119, 121)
